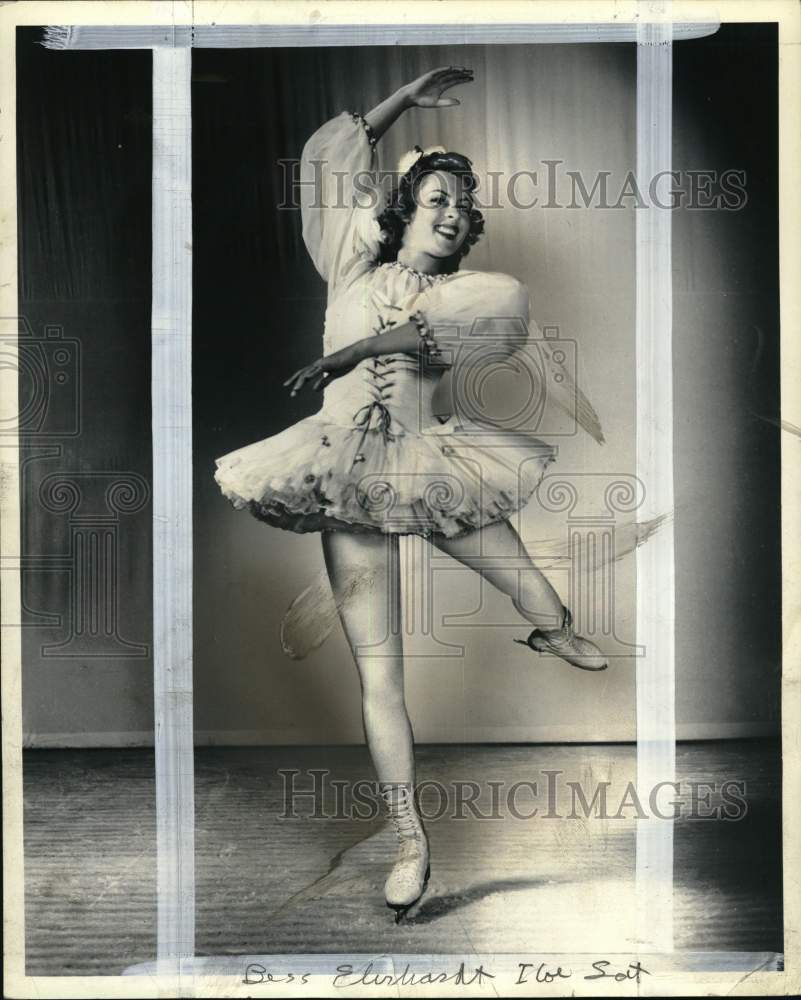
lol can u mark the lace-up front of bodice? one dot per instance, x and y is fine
(376, 415)
(390, 395)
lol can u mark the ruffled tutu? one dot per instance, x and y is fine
(320, 475)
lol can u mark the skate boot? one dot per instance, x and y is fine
(564, 642)
(409, 877)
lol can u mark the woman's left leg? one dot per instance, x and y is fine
(530, 591)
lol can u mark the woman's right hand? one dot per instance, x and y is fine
(426, 91)
(324, 370)
(310, 373)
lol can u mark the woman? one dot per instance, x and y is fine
(374, 463)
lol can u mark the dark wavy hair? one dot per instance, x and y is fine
(402, 203)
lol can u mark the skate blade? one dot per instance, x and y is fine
(403, 910)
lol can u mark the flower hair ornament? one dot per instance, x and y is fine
(408, 160)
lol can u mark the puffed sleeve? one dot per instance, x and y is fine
(479, 307)
(491, 310)
(340, 199)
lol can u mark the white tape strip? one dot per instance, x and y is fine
(656, 748)
(172, 503)
(245, 36)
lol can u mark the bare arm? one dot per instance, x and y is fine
(401, 339)
(424, 92)
(387, 112)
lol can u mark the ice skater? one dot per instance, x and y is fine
(375, 463)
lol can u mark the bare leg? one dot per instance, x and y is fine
(366, 622)
(531, 593)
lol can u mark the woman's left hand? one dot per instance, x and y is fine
(426, 91)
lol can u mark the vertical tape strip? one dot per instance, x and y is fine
(656, 747)
(172, 503)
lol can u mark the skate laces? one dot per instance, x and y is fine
(563, 635)
(564, 642)
(402, 812)
(564, 638)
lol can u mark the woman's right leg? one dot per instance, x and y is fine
(374, 619)
(372, 626)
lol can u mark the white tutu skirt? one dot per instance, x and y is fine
(322, 475)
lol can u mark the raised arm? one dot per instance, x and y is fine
(340, 227)
(424, 92)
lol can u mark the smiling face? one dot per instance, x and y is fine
(441, 220)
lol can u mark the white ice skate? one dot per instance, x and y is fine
(564, 642)
(409, 877)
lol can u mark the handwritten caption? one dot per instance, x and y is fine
(347, 976)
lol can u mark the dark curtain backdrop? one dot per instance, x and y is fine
(84, 123)
(84, 228)
(726, 376)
